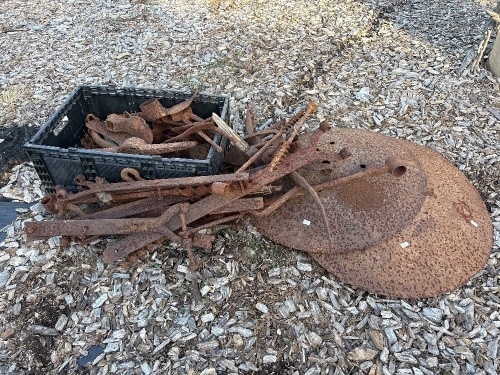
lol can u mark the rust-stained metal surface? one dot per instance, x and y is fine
(152, 110)
(447, 242)
(98, 129)
(360, 212)
(135, 126)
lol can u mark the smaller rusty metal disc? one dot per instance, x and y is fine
(448, 242)
(360, 213)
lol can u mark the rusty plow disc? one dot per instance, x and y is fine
(418, 235)
(361, 212)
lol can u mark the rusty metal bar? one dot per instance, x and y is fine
(154, 185)
(138, 146)
(242, 205)
(392, 165)
(134, 208)
(91, 227)
(215, 223)
(250, 122)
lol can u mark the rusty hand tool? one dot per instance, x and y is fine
(135, 126)
(93, 123)
(152, 109)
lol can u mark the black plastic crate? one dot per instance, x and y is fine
(56, 151)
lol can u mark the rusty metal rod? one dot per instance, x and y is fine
(258, 154)
(290, 194)
(194, 128)
(138, 146)
(392, 165)
(242, 204)
(250, 122)
(187, 130)
(308, 189)
(134, 208)
(209, 140)
(214, 223)
(149, 185)
(286, 145)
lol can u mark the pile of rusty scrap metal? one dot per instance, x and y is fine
(155, 130)
(380, 213)
(147, 210)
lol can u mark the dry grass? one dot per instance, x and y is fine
(216, 3)
(9, 98)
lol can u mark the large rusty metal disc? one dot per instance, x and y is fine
(448, 241)
(360, 213)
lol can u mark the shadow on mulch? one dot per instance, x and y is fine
(443, 23)
(12, 148)
(44, 312)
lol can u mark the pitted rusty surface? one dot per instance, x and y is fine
(135, 126)
(360, 213)
(438, 252)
